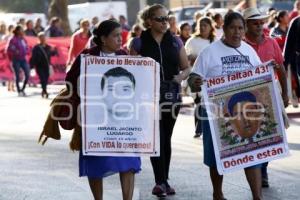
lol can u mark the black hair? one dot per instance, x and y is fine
(183, 25)
(117, 72)
(217, 16)
(280, 14)
(271, 9)
(54, 20)
(207, 20)
(122, 17)
(104, 29)
(232, 16)
(17, 29)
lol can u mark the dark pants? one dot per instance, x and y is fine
(297, 73)
(264, 171)
(161, 164)
(197, 114)
(44, 76)
(17, 64)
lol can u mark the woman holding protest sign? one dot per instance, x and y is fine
(160, 44)
(107, 37)
(220, 58)
(205, 34)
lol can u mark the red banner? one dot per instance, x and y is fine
(58, 62)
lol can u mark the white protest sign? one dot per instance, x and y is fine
(245, 118)
(119, 106)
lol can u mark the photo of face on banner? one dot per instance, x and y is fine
(118, 92)
(248, 118)
(246, 114)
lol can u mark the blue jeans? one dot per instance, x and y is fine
(17, 65)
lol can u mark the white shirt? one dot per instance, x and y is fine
(219, 59)
(219, 33)
(195, 45)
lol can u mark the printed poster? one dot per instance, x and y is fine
(119, 106)
(245, 117)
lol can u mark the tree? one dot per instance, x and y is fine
(59, 8)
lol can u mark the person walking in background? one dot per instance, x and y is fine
(11, 80)
(197, 16)
(16, 50)
(167, 49)
(173, 25)
(218, 19)
(267, 49)
(29, 31)
(54, 30)
(125, 28)
(135, 32)
(107, 37)
(2, 30)
(22, 23)
(279, 32)
(40, 60)
(9, 33)
(38, 26)
(79, 40)
(296, 11)
(185, 32)
(271, 20)
(209, 64)
(205, 35)
(292, 58)
(94, 22)
(123, 22)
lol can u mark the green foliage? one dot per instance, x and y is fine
(23, 6)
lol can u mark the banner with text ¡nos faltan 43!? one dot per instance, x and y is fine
(245, 117)
(119, 106)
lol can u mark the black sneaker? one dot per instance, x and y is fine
(197, 135)
(265, 183)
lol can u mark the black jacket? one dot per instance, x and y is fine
(292, 50)
(40, 58)
(166, 53)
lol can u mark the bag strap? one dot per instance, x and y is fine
(246, 58)
(44, 53)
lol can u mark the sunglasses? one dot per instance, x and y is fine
(161, 19)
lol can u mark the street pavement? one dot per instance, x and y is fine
(29, 171)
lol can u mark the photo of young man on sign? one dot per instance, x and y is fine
(119, 111)
(246, 113)
(247, 120)
(118, 90)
